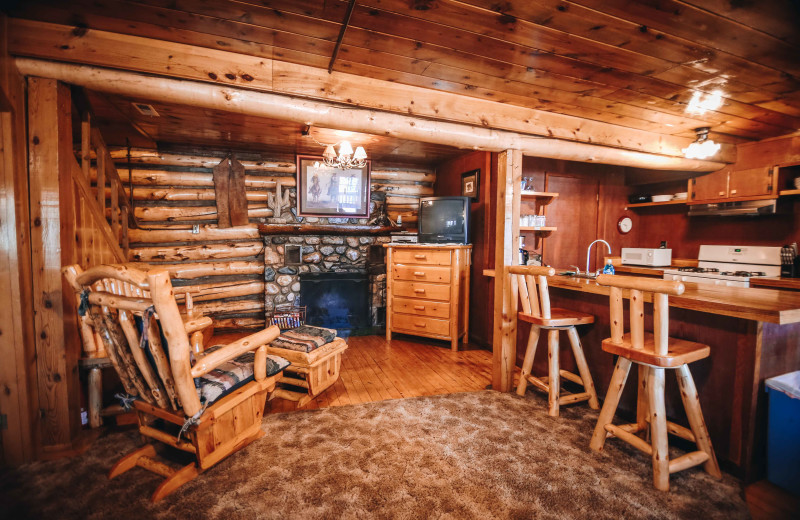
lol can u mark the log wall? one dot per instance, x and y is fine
(175, 206)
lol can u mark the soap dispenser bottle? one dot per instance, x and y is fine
(609, 267)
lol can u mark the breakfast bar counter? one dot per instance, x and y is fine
(754, 334)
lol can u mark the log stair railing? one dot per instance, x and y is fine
(121, 216)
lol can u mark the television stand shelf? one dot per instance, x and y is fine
(427, 291)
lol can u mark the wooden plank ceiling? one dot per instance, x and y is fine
(635, 64)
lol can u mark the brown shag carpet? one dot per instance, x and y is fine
(472, 455)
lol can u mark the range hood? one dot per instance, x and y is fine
(744, 208)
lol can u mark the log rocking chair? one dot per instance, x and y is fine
(210, 406)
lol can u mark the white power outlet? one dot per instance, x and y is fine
(195, 229)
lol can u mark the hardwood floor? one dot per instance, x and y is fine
(374, 370)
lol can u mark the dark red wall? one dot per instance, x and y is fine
(448, 182)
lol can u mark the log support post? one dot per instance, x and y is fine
(509, 175)
(52, 195)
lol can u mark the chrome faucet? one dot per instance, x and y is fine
(589, 252)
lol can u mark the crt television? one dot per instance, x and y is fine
(443, 220)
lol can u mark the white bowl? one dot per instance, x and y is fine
(681, 196)
(797, 182)
(662, 198)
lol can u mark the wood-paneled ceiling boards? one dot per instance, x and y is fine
(564, 66)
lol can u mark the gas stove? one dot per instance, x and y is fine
(730, 265)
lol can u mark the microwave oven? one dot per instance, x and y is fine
(646, 256)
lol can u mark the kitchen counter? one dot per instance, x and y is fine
(776, 282)
(749, 303)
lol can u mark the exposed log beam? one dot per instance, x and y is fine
(242, 101)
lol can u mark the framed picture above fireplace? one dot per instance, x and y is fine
(323, 191)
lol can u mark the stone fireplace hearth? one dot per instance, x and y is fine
(324, 254)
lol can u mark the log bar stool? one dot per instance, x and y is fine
(653, 353)
(536, 311)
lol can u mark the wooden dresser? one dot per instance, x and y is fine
(427, 291)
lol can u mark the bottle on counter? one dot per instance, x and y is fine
(609, 267)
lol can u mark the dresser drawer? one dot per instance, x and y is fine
(421, 256)
(420, 325)
(427, 308)
(427, 291)
(421, 273)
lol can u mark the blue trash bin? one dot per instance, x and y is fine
(783, 431)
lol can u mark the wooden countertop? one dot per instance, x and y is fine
(776, 283)
(749, 303)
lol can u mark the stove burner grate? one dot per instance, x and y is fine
(698, 269)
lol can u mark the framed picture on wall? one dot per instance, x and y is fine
(470, 184)
(323, 191)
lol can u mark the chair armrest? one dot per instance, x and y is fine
(197, 324)
(230, 351)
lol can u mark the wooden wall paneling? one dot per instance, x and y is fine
(509, 175)
(575, 213)
(18, 400)
(49, 137)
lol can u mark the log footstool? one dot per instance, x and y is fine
(315, 354)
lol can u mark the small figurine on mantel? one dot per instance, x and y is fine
(379, 216)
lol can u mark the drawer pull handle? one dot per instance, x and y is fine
(721, 193)
(420, 256)
(419, 291)
(419, 307)
(419, 273)
(422, 325)
(733, 192)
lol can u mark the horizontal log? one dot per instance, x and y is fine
(645, 149)
(197, 252)
(396, 175)
(407, 189)
(218, 291)
(205, 233)
(405, 200)
(190, 213)
(221, 307)
(202, 269)
(140, 156)
(179, 178)
(323, 229)
(184, 194)
(240, 323)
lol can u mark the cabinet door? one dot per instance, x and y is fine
(711, 186)
(751, 183)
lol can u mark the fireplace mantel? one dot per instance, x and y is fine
(326, 229)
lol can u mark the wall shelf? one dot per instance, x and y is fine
(537, 229)
(544, 197)
(785, 193)
(648, 204)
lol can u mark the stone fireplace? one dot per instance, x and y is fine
(325, 254)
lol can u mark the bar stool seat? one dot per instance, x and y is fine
(535, 300)
(559, 318)
(654, 353)
(679, 351)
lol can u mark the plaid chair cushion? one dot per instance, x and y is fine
(304, 339)
(231, 375)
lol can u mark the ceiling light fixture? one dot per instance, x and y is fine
(345, 159)
(699, 104)
(703, 147)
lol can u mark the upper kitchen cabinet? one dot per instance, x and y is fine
(728, 184)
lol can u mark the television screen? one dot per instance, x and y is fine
(444, 219)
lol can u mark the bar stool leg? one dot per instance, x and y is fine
(583, 368)
(615, 387)
(527, 363)
(642, 408)
(554, 376)
(658, 428)
(691, 402)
